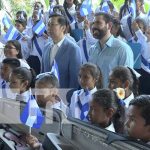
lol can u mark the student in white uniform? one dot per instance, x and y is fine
(21, 82)
(38, 43)
(8, 65)
(24, 38)
(123, 77)
(12, 49)
(69, 6)
(143, 37)
(90, 79)
(38, 6)
(106, 111)
(46, 92)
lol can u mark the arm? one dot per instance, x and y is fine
(75, 62)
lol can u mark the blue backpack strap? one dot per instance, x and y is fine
(37, 46)
(129, 22)
(69, 16)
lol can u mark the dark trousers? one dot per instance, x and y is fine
(144, 86)
(34, 63)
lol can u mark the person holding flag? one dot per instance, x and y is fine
(63, 51)
(39, 40)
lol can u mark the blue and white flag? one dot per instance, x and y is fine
(86, 8)
(132, 8)
(105, 7)
(39, 28)
(54, 69)
(32, 115)
(12, 34)
(6, 21)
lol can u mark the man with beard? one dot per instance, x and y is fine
(108, 52)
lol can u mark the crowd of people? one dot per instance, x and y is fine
(95, 62)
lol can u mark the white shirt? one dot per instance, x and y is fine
(128, 99)
(80, 25)
(145, 49)
(110, 127)
(74, 110)
(24, 96)
(72, 10)
(7, 90)
(55, 49)
(23, 63)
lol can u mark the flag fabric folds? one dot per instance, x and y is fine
(32, 115)
(105, 7)
(11, 34)
(54, 69)
(39, 28)
(86, 8)
(6, 21)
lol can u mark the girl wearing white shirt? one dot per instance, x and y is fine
(21, 82)
(89, 78)
(106, 111)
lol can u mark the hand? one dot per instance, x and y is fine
(33, 142)
(86, 24)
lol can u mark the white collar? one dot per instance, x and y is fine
(25, 96)
(110, 127)
(72, 7)
(91, 91)
(128, 99)
(60, 42)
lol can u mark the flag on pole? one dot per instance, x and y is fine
(105, 7)
(32, 115)
(86, 8)
(54, 69)
(6, 21)
(12, 34)
(39, 28)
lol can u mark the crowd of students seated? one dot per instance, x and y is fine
(94, 61)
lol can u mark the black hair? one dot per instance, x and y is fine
(143, 103)
(107, 17)
(22, 22)
(22, 12)
(17, 45)
(108, 99)
(123, 74)
(48, 79)
(24, 74)
(120, 32)
(95, 73)
(61, 19)
(77, 7)
(12, 62)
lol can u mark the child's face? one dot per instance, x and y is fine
(86, 80)
(135, 124)
(45, 93)
(114, 83)
(35, 17)
(16, 85)
(19, 26)
(10, 51)
(5, 71)
(98, 115)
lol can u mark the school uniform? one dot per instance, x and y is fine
(5, 91)
(110, 127)
(84, 46)
(74, 108)
(23, 63)
(24, 97)
(145, 63)
(35, 57)
(128, 99)
(70, 12)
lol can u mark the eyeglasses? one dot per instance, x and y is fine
(9, 47)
